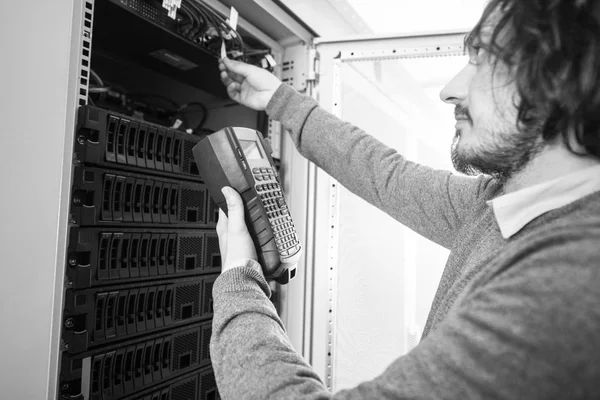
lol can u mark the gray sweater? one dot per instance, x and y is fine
(511, 319)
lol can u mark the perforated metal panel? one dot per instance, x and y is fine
(207, 301)
(213, 253)
(208, 387)
(187, 296)
(192, 205)
(189, 164)
(185, 349)
(213, 211)
(190, 253)
(185, 390)
(206, 333)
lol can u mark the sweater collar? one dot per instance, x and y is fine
(515, 210)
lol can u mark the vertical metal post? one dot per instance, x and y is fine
(42, 85)
(333, 237)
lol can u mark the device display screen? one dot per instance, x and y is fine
(251, 149)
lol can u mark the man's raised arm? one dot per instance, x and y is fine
(431, 202)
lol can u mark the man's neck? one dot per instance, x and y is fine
(553, 162)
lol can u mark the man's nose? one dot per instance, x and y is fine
(458, 88)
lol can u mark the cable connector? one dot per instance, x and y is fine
(228, 34)
(172, 6)
(268, 62)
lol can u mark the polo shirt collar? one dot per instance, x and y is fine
(515, 210)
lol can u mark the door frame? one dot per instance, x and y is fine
(323, 191)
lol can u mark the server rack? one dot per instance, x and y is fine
(142, 253)
(143, 256)
(45, 87)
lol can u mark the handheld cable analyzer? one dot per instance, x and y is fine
(241, 158)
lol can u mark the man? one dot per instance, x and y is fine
(517, 312)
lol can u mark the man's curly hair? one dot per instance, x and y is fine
(552, 48)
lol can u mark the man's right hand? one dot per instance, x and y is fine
(250, 86)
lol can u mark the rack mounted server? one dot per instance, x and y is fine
(103, 256)
(109, 139)
(119, 370)
(108, 197)
(95, 317)
(142, 252)
(196, 385)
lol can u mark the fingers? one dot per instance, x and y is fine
(222, 223)
(234, 91)
(242, 70)
(235, 208)
(225, 78)
(233, 71)
(222, 234)
(233, 88)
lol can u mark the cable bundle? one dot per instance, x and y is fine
(203, 25)
(148, 106)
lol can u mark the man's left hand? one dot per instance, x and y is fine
(234, 239)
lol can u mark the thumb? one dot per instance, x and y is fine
(235, 210)
(237, 67)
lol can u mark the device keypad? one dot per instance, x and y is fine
(271, 195)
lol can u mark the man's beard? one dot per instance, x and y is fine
(503, 156)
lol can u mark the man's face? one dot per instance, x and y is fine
(487, 139)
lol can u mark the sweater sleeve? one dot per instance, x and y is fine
(528, 331)
(433, 203)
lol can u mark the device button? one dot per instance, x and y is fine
(240, 152)
(256, 170)
(244, 164)
(293, 250)
(258, 177)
